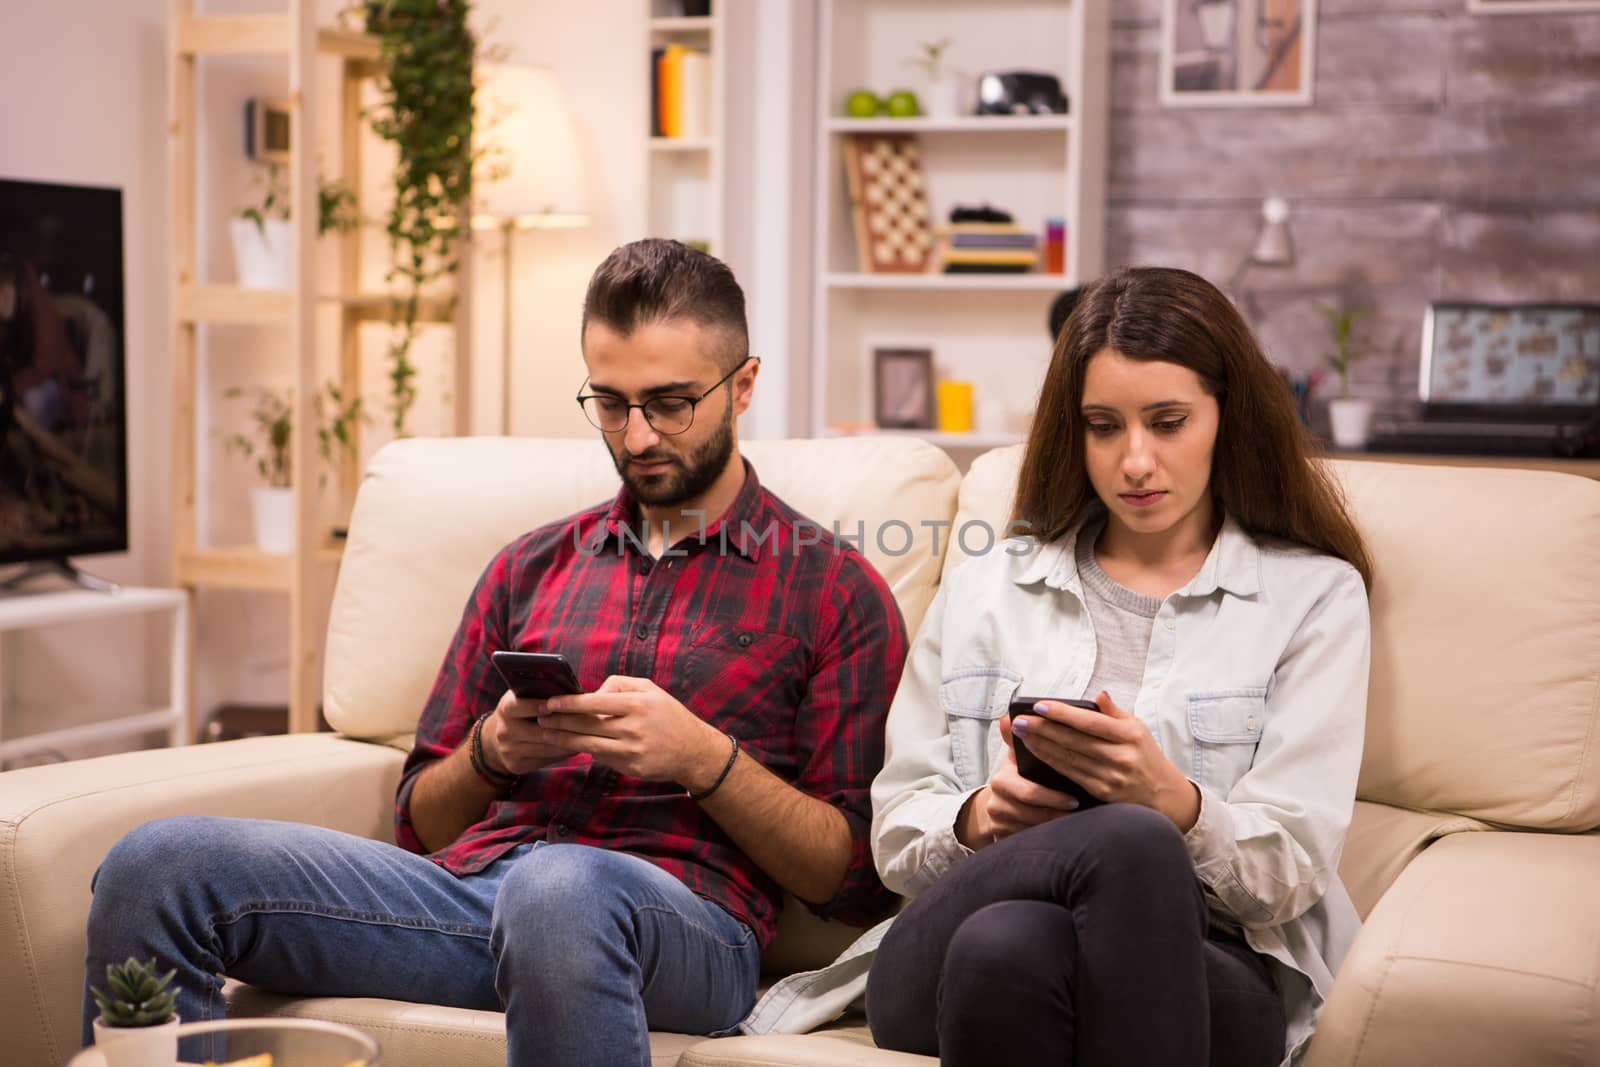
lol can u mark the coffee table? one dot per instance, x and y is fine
(290, 1042)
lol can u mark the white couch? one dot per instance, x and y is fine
(1473, 847)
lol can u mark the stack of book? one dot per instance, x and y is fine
(987, 248)
(680, 92)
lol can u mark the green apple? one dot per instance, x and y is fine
(862, 104)
(902, 104)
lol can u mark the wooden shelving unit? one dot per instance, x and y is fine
(988, 329)
(685, 177)
(304, 574)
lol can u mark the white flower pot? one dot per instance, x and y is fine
(263, 255)
(942, 99)
(1352, 422)
(138, 1046)
(274, 515)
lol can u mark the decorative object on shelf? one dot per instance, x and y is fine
(902, 104)
(263, 242)
(426, 111)
(1021, 92)
(1055, 245)
(903, 389)
(1237, 53)
(680, 92)
(955, 406)
(888, 201)
(537, 178)
(266, 130)
(137, 1025)
(695, 9)
(864, 104)
(268, 447)
(1351, 418)
(942, 95)
(986, 241)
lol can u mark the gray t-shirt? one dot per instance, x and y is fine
(1122, 621)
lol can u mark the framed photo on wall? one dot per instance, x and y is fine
(902, 387)
(1237, 53)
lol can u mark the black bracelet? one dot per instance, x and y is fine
(498, 779)
(726, 767)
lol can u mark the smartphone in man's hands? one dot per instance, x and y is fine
(1037, 770)
(536, 675)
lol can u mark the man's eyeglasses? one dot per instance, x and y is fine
(666, 414)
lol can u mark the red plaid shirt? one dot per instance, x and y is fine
(770, 629)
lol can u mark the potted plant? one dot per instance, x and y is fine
(942, 98)
(1351, 418)
(268, 447)
(425, 109)
(138, 1003)
(263, 244)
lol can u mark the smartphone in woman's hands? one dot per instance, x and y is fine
(1037, 770)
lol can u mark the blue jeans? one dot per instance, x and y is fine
(584, 949)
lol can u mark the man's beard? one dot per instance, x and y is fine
(686, 477)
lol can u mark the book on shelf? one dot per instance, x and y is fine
(680, 92)
(987, 247)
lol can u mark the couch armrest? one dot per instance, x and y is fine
(58, 822)
(1485, 950)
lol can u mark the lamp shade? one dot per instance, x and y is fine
(524, 124)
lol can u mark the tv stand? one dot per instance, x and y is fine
(41, 568)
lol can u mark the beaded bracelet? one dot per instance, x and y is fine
(726, 767)
(498, 779)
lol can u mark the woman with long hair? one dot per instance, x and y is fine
(1171, 896)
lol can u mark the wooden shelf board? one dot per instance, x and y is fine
(1019, 282)
(944, 440)
(231, 304)
(379, 307)
(683, 24)
(680, 144)
(247, 34)
(236, 567)
(960, 124)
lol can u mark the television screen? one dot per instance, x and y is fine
(1532, 359)
(63, 437)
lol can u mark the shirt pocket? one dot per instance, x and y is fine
(973, 700)
(1226, 725)
(745, 682)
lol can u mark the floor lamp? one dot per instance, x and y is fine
(528, 133)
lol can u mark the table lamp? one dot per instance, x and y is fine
(523, 119)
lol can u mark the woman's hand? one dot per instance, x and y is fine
(1112, 755)
(1008, 803)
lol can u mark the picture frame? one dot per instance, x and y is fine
(903, 396)
(1529, 7)
(1210, 48)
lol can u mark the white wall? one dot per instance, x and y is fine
(83, 89)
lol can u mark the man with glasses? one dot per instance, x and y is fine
(603, 864)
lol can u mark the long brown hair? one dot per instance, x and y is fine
(1261, 472)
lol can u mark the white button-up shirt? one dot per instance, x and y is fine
(1255, 685)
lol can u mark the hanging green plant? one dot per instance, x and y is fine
(425, 109)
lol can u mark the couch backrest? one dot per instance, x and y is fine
(1485, 693)
(431, 513)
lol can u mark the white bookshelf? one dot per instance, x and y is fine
(989, 329)
(685, 177)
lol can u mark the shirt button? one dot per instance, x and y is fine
(744, 640)
(1250, 723)
(1170, 623)
(641, 632)
(561, 830)
(644, 566)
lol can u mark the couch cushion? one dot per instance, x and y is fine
(1382, 840)
(1485, 694)
(431, 513)
(417, 1035)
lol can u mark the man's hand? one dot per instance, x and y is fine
(1113, 755)
(514, 742)
(634, 726)
(1009, 803)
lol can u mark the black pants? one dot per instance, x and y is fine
(1082, 941)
